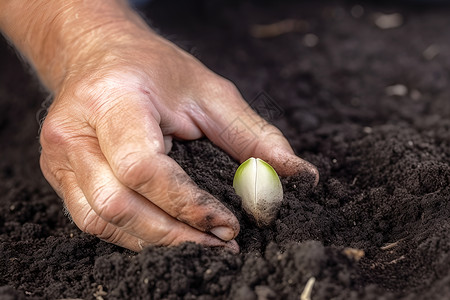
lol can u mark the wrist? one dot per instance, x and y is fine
(60, 35)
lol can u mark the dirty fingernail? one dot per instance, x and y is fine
(314, 173)
(305, 169)
(223, 233)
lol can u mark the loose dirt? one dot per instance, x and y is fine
(369, 106)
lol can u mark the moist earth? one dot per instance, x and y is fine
(368, 105)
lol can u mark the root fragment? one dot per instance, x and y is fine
(306, 294)
(396, 260)
(278, 28)
(391, 245)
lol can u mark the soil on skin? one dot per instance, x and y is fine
(383, 159)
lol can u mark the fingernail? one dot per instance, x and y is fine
(167, 143)
(223, 233)
(314, 173)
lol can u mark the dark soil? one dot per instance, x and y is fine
(383, 159)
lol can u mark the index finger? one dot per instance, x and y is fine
(233, 125)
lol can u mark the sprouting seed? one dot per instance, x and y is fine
(260, 189)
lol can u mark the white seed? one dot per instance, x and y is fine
(306, 294)
(260, 189)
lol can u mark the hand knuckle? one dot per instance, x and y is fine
(91, 224)
(44, 164)
(270, 132)
(52, 133)
(133, 170)
(107, 84)
(128, 171)
(223, 86)
(95, 226)
(109, 205)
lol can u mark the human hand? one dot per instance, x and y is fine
(124, 92)
(104, 152)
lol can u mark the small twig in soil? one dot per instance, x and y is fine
(100, 293)
(278, 28)
(306, 294)
(391, 245)
(396, 260)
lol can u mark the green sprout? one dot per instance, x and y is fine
(259, 187)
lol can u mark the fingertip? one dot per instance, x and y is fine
(315, 173)
(306, 171)
(232, 246)
(226, 226)
(223, 232)
(206, 213)
(288, 164)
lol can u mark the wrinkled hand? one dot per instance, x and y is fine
(105, 139)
